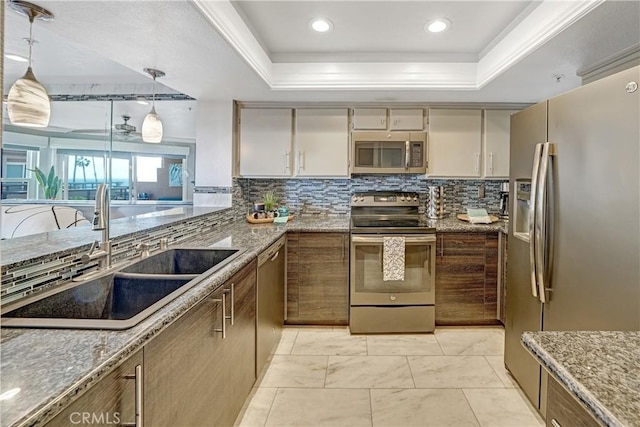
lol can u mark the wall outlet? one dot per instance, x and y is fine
(481, 191)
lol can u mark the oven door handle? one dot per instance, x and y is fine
(431, 238)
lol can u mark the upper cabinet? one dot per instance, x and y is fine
(455, 142)
(266, 142)
(322, 142)
(369, 118)
(406, 119)
(496, 143)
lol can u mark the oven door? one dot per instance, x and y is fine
(367, 286)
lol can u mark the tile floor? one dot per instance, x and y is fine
(326, 377)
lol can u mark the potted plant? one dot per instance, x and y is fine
(270, 202)
(51, 184)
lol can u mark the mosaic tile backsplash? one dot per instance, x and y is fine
(332, 196)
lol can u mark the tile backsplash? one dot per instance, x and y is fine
(332, 196)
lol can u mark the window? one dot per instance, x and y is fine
(147, 168)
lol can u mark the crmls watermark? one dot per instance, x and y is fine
(88, 418)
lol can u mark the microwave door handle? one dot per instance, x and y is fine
(407, 154)
(532, 212)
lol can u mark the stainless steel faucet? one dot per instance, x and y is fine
(101, 222)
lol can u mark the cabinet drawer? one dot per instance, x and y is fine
(563, 410)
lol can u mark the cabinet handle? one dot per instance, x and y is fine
(138, 377)
(491, 163)
(273, 258)
(477, 162)
(231, 291)
(555, 423)
(222, 330)
(286, 161)
(343, 246)
(301, 164)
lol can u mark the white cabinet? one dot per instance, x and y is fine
(369, 118)
(322, 142)
(406, 119)
(455, 142)
(265, 142)
(496, 143)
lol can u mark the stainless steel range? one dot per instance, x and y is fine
(392, 269)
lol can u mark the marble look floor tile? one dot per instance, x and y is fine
(403, 345)
(501, 408)
(471, 341)
(286, 342)
(421, 407)
(256, 407)
(330, 343)
(453, 372)
(368, 372)
(295, 371)
(497, 363)
(320, 407)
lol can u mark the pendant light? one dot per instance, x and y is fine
(28, 102)
(152, 125)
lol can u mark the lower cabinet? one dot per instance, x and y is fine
(318, 278)
(202, 367)
(563, 410)
(112, 401)
(467, 279)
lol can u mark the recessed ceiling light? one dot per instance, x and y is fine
(321, 25)
(437, 25)
(14, 57)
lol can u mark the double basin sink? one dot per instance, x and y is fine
(122, 298)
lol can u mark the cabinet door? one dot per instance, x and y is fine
(239, 355)
(406, 119)
(564, 410)
(183, 376)
(369, 118)
(496, 143)
(112, 401)
(455, 142)
(265, 142)
(322, 142)
(322, 280)
(466, 278)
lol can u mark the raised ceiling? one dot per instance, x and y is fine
(495, 51)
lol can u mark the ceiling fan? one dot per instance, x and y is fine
(123, 131)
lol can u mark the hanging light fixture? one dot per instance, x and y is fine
(152, 125)
(28, 102)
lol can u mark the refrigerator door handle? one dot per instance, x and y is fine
(543, 239)
(532, 213)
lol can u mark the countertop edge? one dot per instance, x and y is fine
(548, 362)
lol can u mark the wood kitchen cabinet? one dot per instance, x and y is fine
(496, 140)
(406, 119)
(563, 410)
(322, 142)
(265, 142)
(193, 375)
(112, 401)
(318, 278)
(369, 118)
(466, 278)
(455, 142)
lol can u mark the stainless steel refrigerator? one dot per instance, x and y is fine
(574, 235)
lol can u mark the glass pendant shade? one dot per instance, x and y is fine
(152, 127)
(28, 102)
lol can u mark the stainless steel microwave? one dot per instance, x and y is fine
(389, 152)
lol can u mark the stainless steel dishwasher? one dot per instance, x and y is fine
(270, 301)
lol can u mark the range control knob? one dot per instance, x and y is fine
(415, 198)
(392, 297)
(355, 199)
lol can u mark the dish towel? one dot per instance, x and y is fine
(393, 258)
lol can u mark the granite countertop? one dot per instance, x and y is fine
(67, 362)
(50, 367)
(600, 368)
(452, 224)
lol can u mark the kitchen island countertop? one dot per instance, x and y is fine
(600, 368)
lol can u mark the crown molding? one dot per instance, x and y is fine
(543, 23)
